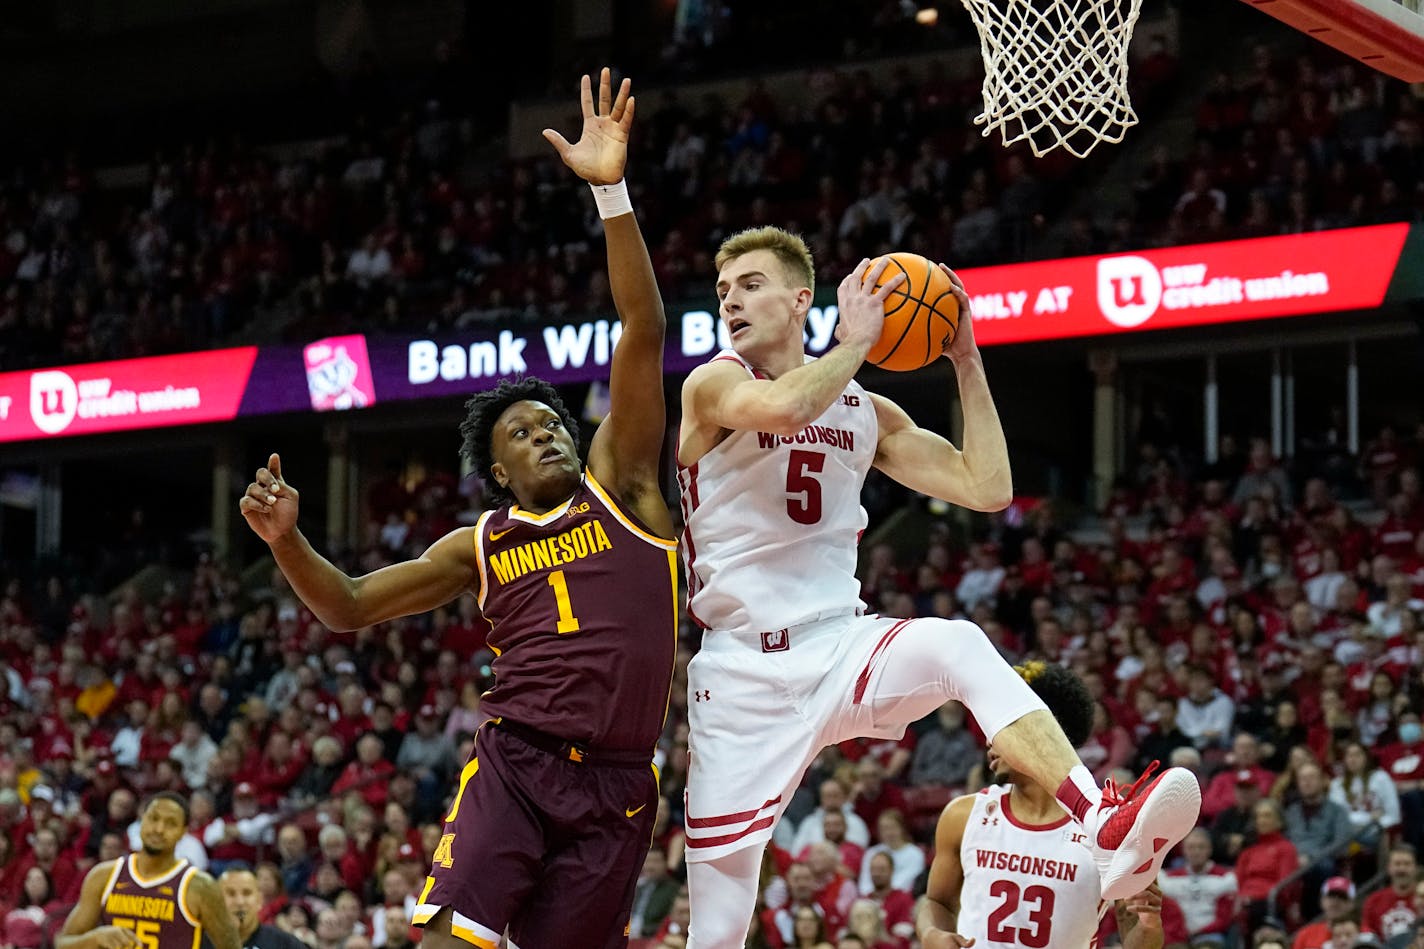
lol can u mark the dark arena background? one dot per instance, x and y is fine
(240, 227)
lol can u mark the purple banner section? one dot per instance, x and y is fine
(277, 383)
(335, 374)
(354, 371)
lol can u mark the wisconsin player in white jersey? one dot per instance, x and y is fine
(1009, 868)
(773, 450)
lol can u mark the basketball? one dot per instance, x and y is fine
(921, 314)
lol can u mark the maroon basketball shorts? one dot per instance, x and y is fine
(548, 847)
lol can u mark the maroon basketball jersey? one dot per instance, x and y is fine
(582, 604)
(155, 909)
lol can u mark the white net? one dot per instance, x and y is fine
(1055, 71)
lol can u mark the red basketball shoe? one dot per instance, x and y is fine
(1132, 831)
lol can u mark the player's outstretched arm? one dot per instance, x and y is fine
(719, 394)
(208, 906)
(627, 448)
(345, 603)
(979, 476)
(939, 911)
(1139, 919)
(81, 929)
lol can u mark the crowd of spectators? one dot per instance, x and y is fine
(1234, 620)
(407, 223)
(1285, 146)
(1238, 619)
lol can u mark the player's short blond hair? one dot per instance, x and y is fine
(789, 248)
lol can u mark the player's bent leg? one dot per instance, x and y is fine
(926, 661)
(920, 664)
(723, 894)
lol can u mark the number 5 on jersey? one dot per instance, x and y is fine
(803, 504)
(145, 929)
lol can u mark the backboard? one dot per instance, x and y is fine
(1385, 34)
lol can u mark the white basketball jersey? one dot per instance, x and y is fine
(1026, 886)
(773, 522)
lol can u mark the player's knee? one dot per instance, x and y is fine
(938, 641)
(717, 933)
(437, 933)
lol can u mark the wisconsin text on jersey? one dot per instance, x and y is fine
(1028, 864)
(585, 540)
(811, 435)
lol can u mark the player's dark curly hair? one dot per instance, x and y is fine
(1065, 695)
(173, 796)
(484, 409)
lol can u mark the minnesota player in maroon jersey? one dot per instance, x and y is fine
(576, 574)
(150, 899)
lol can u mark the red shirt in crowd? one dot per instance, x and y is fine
(869, 809)
(835, 899)
(1221, 790)
(371, 783)
(1404, 763)
(1265, 863)
(1316, 935)
(1388, 913)
(1395, 536)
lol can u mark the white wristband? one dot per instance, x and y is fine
(612, 200)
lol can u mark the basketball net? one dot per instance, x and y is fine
(1055, 71)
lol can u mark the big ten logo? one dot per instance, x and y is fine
(851, 400)
(54, 399)
(1129, 290)
(577, 509)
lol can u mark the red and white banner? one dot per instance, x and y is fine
(132, 393)
(1177, 287)
(1084, 296)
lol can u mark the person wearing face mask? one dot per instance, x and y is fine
(1403, 760)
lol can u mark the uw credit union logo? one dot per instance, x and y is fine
(54, 399)
(1129, 290)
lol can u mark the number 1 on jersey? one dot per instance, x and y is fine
(568, 622)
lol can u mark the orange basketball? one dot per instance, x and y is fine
(921, 315)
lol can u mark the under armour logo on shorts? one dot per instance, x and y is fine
(775, 641)
(702, 695)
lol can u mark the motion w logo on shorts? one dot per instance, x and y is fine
(775, 641)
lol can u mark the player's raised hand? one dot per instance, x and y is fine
(963, 343)
(601, 152)
(270, 503)
(861, 305)
(942, 939)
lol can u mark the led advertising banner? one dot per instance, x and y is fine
(1171, 288)
(1176, 287)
